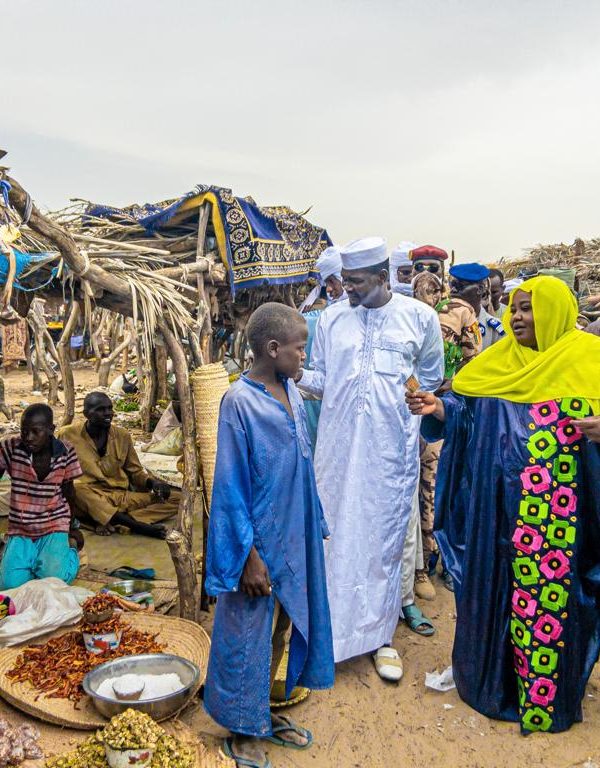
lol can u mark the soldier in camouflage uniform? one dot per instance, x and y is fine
(462, 341)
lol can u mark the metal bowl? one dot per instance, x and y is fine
(129, 587)
(147, 664)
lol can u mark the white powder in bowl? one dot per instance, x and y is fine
(155, 686)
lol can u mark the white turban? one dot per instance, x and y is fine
(399, 258)
(364, 253)
(509, 285)
(330, 263)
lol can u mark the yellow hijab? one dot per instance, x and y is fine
(566, 363)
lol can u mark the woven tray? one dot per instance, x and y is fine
(181, 637)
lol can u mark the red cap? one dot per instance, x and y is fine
(428, 252)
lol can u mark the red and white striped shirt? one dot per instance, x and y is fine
(38, 507)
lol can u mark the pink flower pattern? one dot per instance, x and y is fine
(521, 663)
(555, 564)
(527, 539)
(567, 433)
(544, 413)
(536, 479)
(543, 691)
(523, 604)
(547, 628)
(564, 501)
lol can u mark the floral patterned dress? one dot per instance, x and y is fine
(518, 524)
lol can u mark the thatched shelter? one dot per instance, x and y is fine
(187, 272)
(582, 256)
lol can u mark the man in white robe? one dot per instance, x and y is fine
(367, 455)
(401, 268)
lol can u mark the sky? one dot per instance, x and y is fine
(469, 124)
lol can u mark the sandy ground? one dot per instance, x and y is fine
(364, 722)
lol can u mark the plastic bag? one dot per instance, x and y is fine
(42, 605)
(170, 445)
(440, 681)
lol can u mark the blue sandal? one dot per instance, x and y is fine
(416, 621)
(288, 725)
(242, 761)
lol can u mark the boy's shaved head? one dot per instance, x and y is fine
(272, 321)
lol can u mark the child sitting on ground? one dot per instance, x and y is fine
(265, 546)
(42, 470)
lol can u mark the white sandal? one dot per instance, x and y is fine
(388, 664)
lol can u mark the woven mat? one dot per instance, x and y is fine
(181, 637)
(164, 591)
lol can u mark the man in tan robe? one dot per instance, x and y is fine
(111, 468)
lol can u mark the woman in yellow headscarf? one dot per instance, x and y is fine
(518, 512)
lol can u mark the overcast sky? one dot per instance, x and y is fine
(473, 125)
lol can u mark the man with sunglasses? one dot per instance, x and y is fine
(429, 258)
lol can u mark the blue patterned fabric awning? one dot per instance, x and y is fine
(259, 245)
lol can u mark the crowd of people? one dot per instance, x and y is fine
(409, 420)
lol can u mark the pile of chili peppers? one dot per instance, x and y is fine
(57, 668)
(100, 603)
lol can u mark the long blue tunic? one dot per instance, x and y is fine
(264, 495)
(518, 525)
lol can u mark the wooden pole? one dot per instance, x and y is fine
(160, 364)
(37, 322)
(105, 365)
(4, 408)
(180, 539)
(96, 335)
(64, 349)
(147, 377)
(204, 320)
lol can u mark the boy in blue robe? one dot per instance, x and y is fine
(265, 559)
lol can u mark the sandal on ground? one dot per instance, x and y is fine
(388, 664)
(416, 621)
(288, 725)
(242, 762)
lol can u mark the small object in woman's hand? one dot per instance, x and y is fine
(412, 384)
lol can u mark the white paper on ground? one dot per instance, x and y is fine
(440, 681)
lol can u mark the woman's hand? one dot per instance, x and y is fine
(255, 580)
(590, 427)
(425, 404)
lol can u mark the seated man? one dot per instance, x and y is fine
(42, 470)
(110, 468)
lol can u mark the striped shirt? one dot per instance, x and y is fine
(38, 507)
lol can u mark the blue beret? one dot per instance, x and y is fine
(471, 273)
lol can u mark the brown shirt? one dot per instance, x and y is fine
(117, 469)
(461, 334)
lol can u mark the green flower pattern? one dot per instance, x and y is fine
(538, 649)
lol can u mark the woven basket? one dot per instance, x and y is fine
(209, 384)
(181, 637)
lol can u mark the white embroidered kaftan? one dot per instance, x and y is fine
(367, 456)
